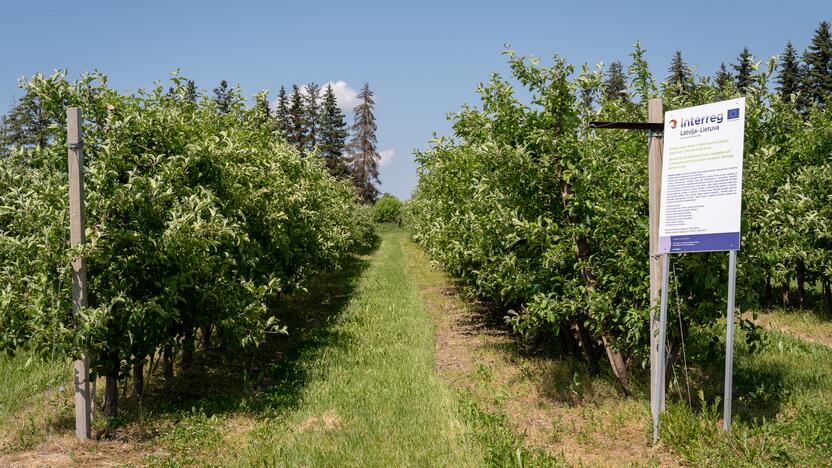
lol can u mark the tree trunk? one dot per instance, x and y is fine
(569, 341)
(188, 349)
(827, 295)
(619, 366)
(801, 283)
(767, 293)
(205, 341)
(167, 364)
(786, 293)
(138, 379)
(111, 394)
(588, 344)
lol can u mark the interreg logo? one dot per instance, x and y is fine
(734, 114)
(672, 123)
(703, 120)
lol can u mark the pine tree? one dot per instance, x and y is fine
(789, 77)
(615, 87)
(818, 59)
(296, 133)
(723, 78)
(680, 74)
(364, 158)
(25, 125)
(311, 116)
(744, 69)
(333, 135)
(222, 97)
(281, 113)
(190, 92)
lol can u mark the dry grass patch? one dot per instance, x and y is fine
(805, 325)
(326, 422)
(66, 450)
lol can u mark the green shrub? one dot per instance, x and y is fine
(388, 209)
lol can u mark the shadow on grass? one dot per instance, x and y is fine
(559, 375)
(265, 381)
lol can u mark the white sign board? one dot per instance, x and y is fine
(702, 178)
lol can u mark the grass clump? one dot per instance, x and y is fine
(782, 410)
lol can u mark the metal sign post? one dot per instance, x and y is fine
(658, 386)
(729, 340)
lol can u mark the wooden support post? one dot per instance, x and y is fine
(79, 273)
(655, 114)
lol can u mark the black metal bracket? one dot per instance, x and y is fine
(654, 127)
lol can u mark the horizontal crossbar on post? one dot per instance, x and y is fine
(655, 127)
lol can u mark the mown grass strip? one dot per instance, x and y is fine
(373, 398)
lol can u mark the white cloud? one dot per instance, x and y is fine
(346, 96)
(386, 157)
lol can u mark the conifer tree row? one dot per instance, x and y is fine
(806, 78)
(311, 120)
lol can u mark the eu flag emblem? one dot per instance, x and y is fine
(733, 114)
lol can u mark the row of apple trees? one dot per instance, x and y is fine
(197, 220)
(541, 215)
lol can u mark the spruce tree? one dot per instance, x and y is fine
(680, 74)
(364, 156)
(723, 78)
(25, 125)
(281, 113)
(818, 59)
(333, 135)
(311, 116)
(222, 97)
(190, 92)
(788, 80)
(296, 133)
(615, 86)
(744, 69)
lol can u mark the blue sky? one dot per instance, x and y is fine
(423, 59)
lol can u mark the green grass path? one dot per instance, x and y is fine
(374, 398)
